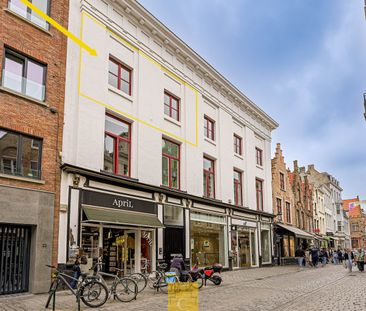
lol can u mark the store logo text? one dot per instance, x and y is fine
(122, 203)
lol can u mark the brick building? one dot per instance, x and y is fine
(357, 219)
(33, 61)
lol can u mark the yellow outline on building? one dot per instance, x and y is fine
(166, 70)
(60, 28)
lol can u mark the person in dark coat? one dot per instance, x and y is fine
(178, 265)
(348, 258)
(314, 256)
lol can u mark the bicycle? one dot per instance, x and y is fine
(89, 290)
(166, 280)
(140, 279)
(153, 276)
(125, 289)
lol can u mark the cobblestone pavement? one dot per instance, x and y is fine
(275, 288)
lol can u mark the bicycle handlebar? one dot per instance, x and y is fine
(49, 266)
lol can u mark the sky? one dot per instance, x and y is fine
(302, 62)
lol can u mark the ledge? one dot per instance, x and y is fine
(36, 101)
(210, 141)
(239, 156)
(21, 178)
(260, 167)
(28, 21)
(120, 93)
(171, 120)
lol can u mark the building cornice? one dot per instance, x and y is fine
(187, 55)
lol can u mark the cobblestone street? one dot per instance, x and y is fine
(278, 288)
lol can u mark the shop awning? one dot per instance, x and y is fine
(112, 216)
(298, 232)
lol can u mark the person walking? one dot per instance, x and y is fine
(361, 260)
(307, 258)
(323, 257)
(76, 274)
(300, 254)
(335, 257)
(348, 259)
(340, 256)
(314, 256)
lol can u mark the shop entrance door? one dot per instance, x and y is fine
(126, 252)
(244, 249)
(174, 243)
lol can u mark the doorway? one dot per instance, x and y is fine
(174, 243)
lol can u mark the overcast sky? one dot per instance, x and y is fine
(303, 62)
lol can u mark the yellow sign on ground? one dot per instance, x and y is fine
(182, 297)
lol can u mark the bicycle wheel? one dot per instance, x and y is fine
(164, 285)
(198, 283)
(52, 289)
(152, 278)
(126, 289)
(140, 279)
(93, 293)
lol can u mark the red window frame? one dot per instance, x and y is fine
(116, 140)
(259, 193)
(122, 66)
(209, 128)
(237, 144)
(206, 175)
(170, 159)
(259, 156)
(282, 181)
(171, 97)
(238, 188)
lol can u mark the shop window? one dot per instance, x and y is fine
(253, 247)
(292, 246)
(238, 188)
(117, 146)
(170, 164)
(21, 9)
(209, 128)
(24, 75)
(237, 144)
(208, 178)
(173, 215)
(90, 244)
(259, 194)
(285, 246)
(207, 243)
(120, 76)
(171, 106)
(18, 157)
(265, 246)
(259, 156)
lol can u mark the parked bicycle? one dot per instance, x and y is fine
(125, 289)
(89, 290)
(153, 276)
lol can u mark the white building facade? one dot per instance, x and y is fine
(161, 154)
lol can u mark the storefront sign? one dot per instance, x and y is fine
(102, 199)
(244, 223)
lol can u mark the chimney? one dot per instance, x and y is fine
(296, 166)
(302, 169)
(311, 167)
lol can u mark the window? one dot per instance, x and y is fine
(21, 9)
(237, 144)
(120, 76)
(279, 206)
(171, 106)
(208, 178)
(259, 192)
(117, 146)
(339, 226)
(259, 156)
(282, 181)
(24, 75)
(209, 128)
(354, 227)
(17, 157)
(171, 167)
(288, 212)
(238, 188)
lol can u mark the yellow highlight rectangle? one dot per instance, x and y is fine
(166, 70)
(182, 297)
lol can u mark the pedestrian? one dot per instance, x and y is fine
(314, 256)
(307, 258)
(340, 256)
(300, 254)
(335, 257)
(323, 257)
(77, 272)
(348, 259)
(361, 260)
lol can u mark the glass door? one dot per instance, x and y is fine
(244, 249)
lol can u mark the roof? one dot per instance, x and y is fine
(347, 202)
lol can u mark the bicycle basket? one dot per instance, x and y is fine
(170, 277)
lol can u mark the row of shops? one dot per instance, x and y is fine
(132, 226)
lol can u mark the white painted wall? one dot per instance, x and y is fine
(83, 143)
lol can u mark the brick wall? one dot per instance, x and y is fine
(26, 116)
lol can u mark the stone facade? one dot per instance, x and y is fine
(30, 39)
(357, 221)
